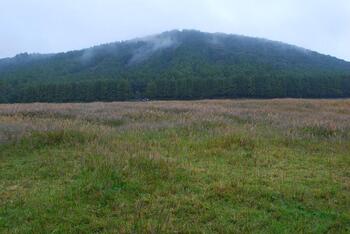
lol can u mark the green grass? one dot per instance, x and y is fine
(208, 176)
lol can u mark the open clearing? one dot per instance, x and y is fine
(179, 166)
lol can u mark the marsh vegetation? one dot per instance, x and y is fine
(270, 166)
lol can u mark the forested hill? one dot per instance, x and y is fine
(175, 65)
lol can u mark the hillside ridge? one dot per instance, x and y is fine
(186, 64)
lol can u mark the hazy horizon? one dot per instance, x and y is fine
(37, 26)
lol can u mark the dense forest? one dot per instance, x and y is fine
(175, 65)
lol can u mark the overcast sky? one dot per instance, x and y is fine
(47, 26)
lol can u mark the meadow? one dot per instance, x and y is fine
(212, 166)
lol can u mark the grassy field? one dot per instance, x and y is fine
(221, 166)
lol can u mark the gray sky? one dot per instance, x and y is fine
(46, 26)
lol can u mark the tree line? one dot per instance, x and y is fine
(182, 89)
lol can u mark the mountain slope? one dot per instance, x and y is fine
(175, 65)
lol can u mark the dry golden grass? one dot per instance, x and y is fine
(288, 115)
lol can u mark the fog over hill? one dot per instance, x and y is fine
(185, 64)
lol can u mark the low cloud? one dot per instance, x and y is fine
(62, 25)
(150, 45)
